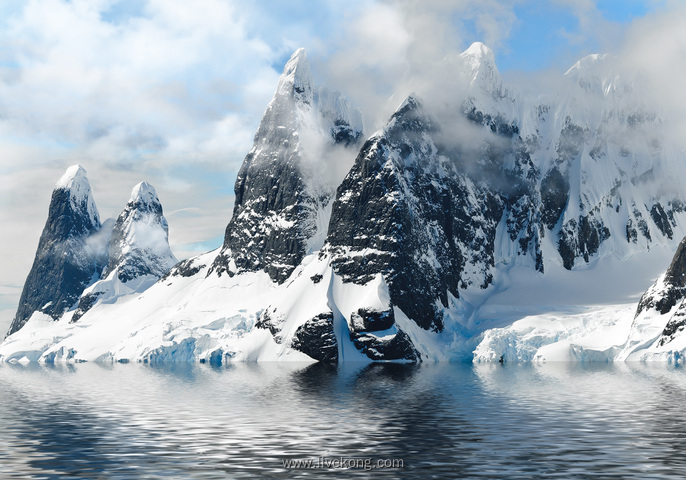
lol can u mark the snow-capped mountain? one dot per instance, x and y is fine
(140, 238)
(139, 252)
(402, 246)
(81, 262)
(70, 254)
(284, 189)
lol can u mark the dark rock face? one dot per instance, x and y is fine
(398, 347)
(582, 238)
(554, 195)
(371, 320)
(268, 229)
(372, 333)
(185, 268)
(277, 197)
(659, 216)
(65, 263)
(674, 326)
(663, 296)
(572, 139)
(406, 212)
(316, 338)
(86, 302)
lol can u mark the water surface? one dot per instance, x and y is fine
(246, 420)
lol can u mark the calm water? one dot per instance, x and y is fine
(244, 421)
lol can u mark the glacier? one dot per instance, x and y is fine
(503, 226)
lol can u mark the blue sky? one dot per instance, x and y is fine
(550, 35)
(171, 91)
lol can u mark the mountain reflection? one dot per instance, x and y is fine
(244, 420)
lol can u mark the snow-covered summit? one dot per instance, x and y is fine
(597, 74)
(592, 63)
(140, 238)
(296, 79)
(144, 193)
(75, 175)
(302, 107)
(75, 181)
(478, 53)
(481, 68)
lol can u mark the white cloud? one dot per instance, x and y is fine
(126, 90)
(167, 91)
(655, 47)
(391, 49)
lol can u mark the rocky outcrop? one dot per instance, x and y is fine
(138, 252)
(670, 288)
(376, 334)
(282, 188)
(405, 211)
(317, 339)
(140, 238)
(70, 254)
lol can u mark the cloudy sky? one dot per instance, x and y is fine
(171, 91)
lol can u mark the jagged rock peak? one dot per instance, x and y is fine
(410, 103)
(138, 250)
(68, 258)
(144, 193)
(409, 116)
(144, 199)
(140, 238)
(288, 179)
(481, 68)
(296, 79)
(479, 52)
(75, 181)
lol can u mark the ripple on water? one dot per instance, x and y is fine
(243, 421)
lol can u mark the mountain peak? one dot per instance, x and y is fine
(597, 73)
(67, 259)
(410, 103)
(589, 62)
(479, 61)
(74, 176)
(298, 58)
(296, 79)
(143, 193)
(76, 183)
(140, 237)
(478, 50)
